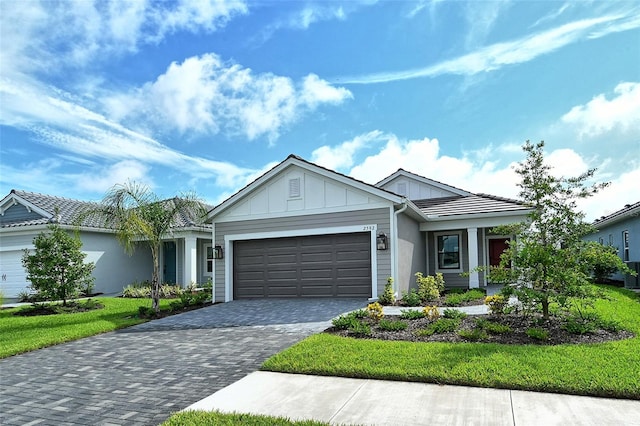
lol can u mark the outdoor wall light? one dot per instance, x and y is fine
(382, 241)
(217, 252)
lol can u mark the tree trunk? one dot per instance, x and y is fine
(155, 281)
(545, 307)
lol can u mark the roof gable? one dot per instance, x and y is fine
(317, 189)
(416, 187)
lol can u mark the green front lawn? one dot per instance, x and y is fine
(205, 418)
(20, 334)
(609, 369)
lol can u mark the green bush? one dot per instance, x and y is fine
(429, 287)
(492, 327)
(137, 290)
(387, 297)
(538, 333)
(473, 335)
(389, 325)
(496, 304)
(454, 299)
(412, 298)
(443, 325)
(344, 322)
(359, 328)
(411, 314)
(453, 314)
(146, 312)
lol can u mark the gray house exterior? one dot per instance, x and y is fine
(621, 229)
(186, 255)
(301, 230)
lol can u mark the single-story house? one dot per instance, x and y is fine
(301, 230)
(186, 256)
(621, 229)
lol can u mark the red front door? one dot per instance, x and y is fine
(496, 248)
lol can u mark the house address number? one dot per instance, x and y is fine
(369, 228)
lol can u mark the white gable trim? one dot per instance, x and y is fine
(306, 166)
(424, 180)
(229, 239)
(13, 200)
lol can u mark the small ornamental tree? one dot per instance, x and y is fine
(139, 216)
(56, 268)
(549, 262)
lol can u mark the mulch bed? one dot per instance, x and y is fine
(57, 308)
(517, 335)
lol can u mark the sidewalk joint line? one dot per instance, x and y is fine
(513, 412)
(364, 382)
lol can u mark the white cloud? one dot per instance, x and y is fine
(207, 95)
(601, 115)
(341, 156)
(100, 180)
(481, 18)
(496, 56)
(48, 36)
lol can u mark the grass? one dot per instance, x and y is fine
(608, 369)
(19, 334)
(205, 418)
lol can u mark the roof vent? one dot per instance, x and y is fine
(626, 206)
(294, 188)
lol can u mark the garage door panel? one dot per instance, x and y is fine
(310, 266)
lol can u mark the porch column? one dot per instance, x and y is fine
(190, 261)
(472, 249)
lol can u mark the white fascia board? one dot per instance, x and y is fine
(32, 229)
(425, 180)
(307, 166)
(13, 199)
(473, 222)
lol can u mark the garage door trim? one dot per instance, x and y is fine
(229, 239)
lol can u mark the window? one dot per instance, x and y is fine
(294, 188)
(448, 251)
(209, 261)
(601, 240)
(610, 239)
(625, 246)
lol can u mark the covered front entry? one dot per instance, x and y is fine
(336, 265)
(497, 246)
(169, 262)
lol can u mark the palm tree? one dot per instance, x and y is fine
(138, 215)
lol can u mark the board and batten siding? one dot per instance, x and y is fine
(379, 217)
(18, 213)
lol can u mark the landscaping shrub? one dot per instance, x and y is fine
(359, 329)
(387, 297)
(411, 314)
(454, 314)
(412, 298)
(343, 322)
(442, 325)
(429, 287)
(473, 335)
(141, 290)
(431, 312)
(460, 297)
(374, 310)
(492, 327)
(496, 304)
(538, 333)
(389, 325)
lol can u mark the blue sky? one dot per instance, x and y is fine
(207, 95)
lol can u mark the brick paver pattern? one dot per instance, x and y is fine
(142, 374)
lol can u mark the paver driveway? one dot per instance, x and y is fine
(140, 375)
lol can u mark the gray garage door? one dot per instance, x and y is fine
(337, 265)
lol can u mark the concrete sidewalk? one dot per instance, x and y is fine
(339, 400)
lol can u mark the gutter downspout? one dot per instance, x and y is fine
(396, 283)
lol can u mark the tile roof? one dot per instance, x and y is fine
(627, 211)
(68, 209)
(472, 204)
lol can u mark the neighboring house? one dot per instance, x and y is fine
(620, 229)
(301, 230)
(186, 255)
